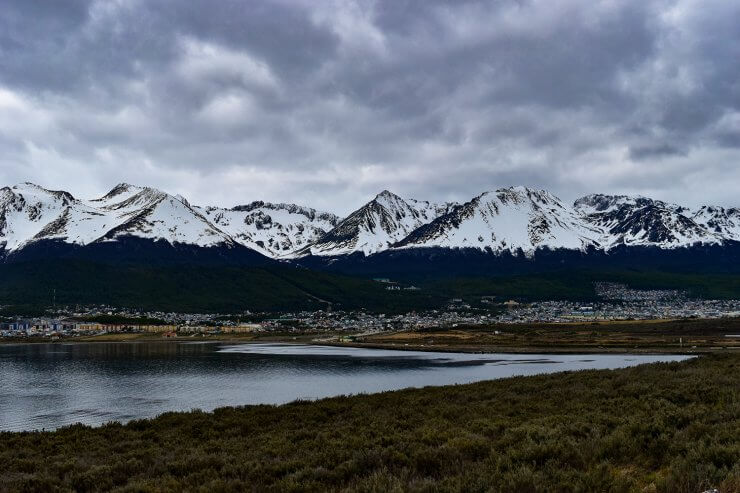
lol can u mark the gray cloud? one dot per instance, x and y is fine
(655, 151)
(326, 103)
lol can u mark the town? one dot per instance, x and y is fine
(616, 302)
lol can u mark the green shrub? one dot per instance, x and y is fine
(653, 428)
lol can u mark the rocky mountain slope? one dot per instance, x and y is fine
(642, 221)
(275, 230)
(508, 220)
(376, 226)
(725, 223)
(29, 214)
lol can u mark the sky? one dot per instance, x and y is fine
(326, 103)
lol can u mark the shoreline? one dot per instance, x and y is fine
(532, 350)
(669, 358)
(594, 430)
(684, 336)
(394, 347)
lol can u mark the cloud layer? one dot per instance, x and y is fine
(327, 103)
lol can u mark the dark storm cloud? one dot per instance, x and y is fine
(655, 151)
(328, 102)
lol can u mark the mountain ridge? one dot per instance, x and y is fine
(376, 226)
(508, 219)
(512, 219)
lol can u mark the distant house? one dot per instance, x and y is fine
(241, 328)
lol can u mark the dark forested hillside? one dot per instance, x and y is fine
(140, 273)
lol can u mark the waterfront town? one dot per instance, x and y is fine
(616, 302)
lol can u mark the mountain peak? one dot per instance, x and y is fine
(599, 202)
(514, 219)
(310, 213)
(375, 226)
(119, 189)
(522, 191)
(719, 220)
(386, 196)
(637, 220)
(29, 187)
(519, 189)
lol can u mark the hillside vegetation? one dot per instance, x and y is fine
(196, 288)
(34, 285)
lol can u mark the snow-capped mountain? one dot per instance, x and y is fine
(153, 214)
(29, 213)
(275, 230)
(509, 219)
(376, 226)
(642, 221)
(515, 219)
(720, 221)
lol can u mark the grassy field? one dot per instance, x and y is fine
(653, 428)
(684, 336)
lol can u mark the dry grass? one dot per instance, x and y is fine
(664, 428)
(622, 336)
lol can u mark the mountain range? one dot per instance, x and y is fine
(142, 247)
(514, 220)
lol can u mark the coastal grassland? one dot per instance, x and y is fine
(670, 427)
(682, 335)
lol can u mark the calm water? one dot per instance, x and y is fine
(48, 386)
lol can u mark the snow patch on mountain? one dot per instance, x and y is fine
(376, 226)
(509, 219)
(720, 221)
(515, 219)
(640, 221)
(30, 213)
(275, 230)
(150, 213)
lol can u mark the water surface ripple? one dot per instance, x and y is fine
(45, 386)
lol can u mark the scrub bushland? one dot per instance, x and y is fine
(666, 427)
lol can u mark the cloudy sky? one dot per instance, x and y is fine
(326, 103)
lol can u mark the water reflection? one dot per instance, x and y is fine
(48, 386)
